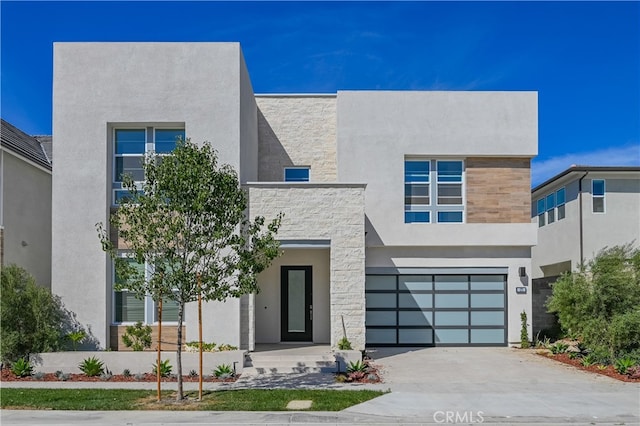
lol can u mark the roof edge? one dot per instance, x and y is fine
(573, 169)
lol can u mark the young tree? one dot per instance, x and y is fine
(601, 301)
(188, 222)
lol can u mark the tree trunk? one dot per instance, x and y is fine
(179, 395)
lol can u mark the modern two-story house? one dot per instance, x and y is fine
(407, 214)
(579, 212)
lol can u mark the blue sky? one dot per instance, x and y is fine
(582, 57)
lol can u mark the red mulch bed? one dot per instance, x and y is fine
(372, 371)
(8, 376)
(577, 362)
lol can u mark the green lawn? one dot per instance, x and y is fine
(230, 400)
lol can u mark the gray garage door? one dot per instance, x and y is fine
(436, 310)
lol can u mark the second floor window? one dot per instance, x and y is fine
(433, 191)
(130, 146)
(296, 174)
(597, 195)
(551, 208)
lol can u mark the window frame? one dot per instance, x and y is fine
(284, 173)
(599, 196)
(541, 213)
(423, 209)
(149, 144)
(561, 206)
(434, 210)
(149, 305)
(550, 204)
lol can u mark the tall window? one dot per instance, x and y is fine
(541, 212)
(416, 191)
(127, 308)
(597, 195)
(560, 200)
(551, 208)
(426, 181)
(449, 191)
(130, 147)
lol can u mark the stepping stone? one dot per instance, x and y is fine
(299, 404)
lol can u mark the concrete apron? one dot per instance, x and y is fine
(475, 385)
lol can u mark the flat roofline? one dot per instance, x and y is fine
(305, 185)
(573, 169)
(295, 95)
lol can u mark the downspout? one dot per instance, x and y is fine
(581, 225)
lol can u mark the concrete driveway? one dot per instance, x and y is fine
(476, 385)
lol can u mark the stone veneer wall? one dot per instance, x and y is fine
(325, 211)
(297, 131)
(498, 190)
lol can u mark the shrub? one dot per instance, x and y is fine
(91, 366)
(599, 302)
(165, 368)
(22, 368)
(223, 371)
(137, 336)
(30, 316)
(589, 360)
(195, 347)
(39, 375)
(76, 337)
(624, 364)
(193, 373)
(524, 333)
(344, 344)
(226, 347)
(559, 348)
(139, 376)
(357, 366)
(126, 372)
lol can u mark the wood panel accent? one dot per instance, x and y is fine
(169, 337)
(498, 190)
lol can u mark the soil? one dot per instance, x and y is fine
(576, 362)
(8, 376)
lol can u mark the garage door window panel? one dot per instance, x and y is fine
(487, 336)
(415, 318)
(452, 318)
(452, 336)
(415, 337)
(487, 300)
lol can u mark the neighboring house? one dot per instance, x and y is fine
(407, 214)
(578, 213)
(25, 203)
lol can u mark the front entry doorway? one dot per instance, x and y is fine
(297, 304)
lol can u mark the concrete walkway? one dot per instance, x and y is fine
(428, 386)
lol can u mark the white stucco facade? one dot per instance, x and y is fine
(578, 237)
(25, 216)
(345, 222)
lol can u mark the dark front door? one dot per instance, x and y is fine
(297, 308)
